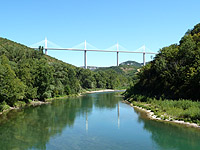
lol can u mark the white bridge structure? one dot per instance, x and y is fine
(112, 49)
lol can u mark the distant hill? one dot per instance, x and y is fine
(131, 63)
(128, 68)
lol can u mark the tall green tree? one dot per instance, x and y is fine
(11, 88)
(43, 79)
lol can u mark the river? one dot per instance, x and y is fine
(98, 121)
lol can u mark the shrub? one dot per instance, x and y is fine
(19, 104)
(4, 106)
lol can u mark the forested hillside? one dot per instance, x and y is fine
(175, 71)
(128, 68)
(27, 74)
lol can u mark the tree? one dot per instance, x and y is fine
(174, 73)
(11, 88)
(43, 79)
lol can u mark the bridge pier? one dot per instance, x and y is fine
(117, 54)
(85, 57)
(117, 58)
(144, 63)
(45, 45)
(45, 51)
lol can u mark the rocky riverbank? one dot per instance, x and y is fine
(152, 116)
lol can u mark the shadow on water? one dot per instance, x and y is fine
(170, 136)
(32, 128)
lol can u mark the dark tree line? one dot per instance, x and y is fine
(175, 71)
(27, 74)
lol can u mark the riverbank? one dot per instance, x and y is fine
(97, 91)
(155, 112)
(21, 105)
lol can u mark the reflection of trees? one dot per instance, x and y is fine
(169, 136)
(33, 127)
(107, 100)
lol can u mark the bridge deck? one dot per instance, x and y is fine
(93, 50)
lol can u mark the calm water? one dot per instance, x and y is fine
(98, 121)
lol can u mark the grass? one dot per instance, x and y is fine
(185, 110)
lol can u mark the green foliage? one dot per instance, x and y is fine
(174, 73)
(131, 63)
(127, 69)
(11, 88)
(4, 106)
(101, 79)
(186, 110)
(27, 74)
(19, 104)
(43, 79)
(86, 78)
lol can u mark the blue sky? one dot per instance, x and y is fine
(103, 23)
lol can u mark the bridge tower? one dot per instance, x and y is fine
(45, 45)
(85, 56)
(117, 54)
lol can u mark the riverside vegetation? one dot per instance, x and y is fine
(27, 74)
(170, 84)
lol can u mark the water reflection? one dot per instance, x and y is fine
(118, 115)
(94, 121)
(32, 128)
(106, 101)
(171, 136)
